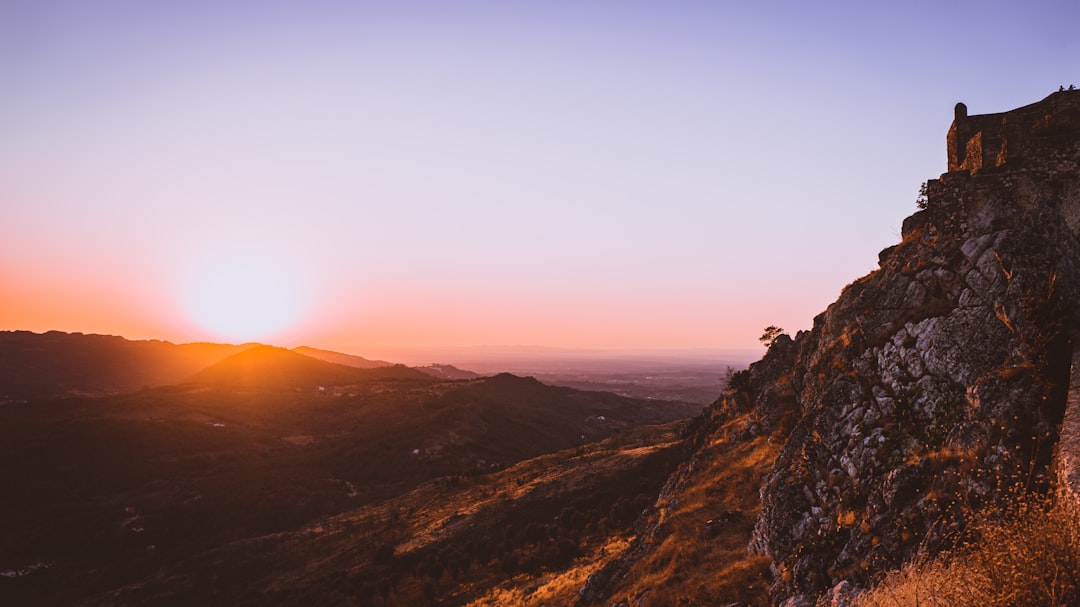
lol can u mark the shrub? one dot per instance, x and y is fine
(922, 201)
(1027, 553)
(771, 334)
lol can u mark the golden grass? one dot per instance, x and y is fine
(1025, 554)
(553, 588)
(689, 565)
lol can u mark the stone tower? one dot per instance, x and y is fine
(1027, 154)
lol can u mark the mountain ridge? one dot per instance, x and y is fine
(349, 360)
(270, 367)
(61, 364)
(55, 363)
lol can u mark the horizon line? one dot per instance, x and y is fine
(486, 349)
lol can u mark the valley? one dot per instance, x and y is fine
(114, 499)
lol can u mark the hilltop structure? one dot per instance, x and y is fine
(939, 382)
(1026, 154)
(932, 388)
(1030, 134)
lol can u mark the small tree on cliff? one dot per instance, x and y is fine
(772, 332)
(922, 201)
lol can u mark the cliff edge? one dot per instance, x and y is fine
(933, 388)
(937, 384)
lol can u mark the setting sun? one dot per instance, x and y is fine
(362, 304)
(244, 298)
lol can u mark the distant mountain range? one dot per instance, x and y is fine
(439, 371)
(267, 367)
(447, 372)
(348, 360)
(57, 364)
(34, 365)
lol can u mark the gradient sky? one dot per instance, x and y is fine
(580, 174)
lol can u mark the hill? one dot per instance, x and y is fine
(105, 492)
(267, 367)
(443, 371)
(348, 360)
(35, 365)
(546, 524)
(434, 370)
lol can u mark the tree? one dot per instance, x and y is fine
(769, 337)
(922, 201)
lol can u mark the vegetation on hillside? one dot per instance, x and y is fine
(692, 548)
(106, 493)
(1026, 552)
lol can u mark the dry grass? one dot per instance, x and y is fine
(697, 563)
(1025, 554)
(551, 588)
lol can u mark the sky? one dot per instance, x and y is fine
(578, 174)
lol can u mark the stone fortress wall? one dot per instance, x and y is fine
(991, 140)
(1068, 455)
(1028, 153)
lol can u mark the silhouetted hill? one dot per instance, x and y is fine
(447, 372)
(269, 367)
(492, 539)
(348, 360)
(34, 365)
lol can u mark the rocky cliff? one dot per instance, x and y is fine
(931, 389)
(932, 386)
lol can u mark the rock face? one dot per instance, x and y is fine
(936, 384)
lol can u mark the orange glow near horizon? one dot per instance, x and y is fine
(567, 175)
(245, 290)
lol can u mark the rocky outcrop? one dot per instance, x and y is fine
(933, 386)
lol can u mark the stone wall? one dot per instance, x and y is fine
(960, 194)
(991, 140)
(1068, 456)
(1029, 155)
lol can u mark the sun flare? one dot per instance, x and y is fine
(245, 298)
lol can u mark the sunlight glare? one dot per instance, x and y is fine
(245, 298)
